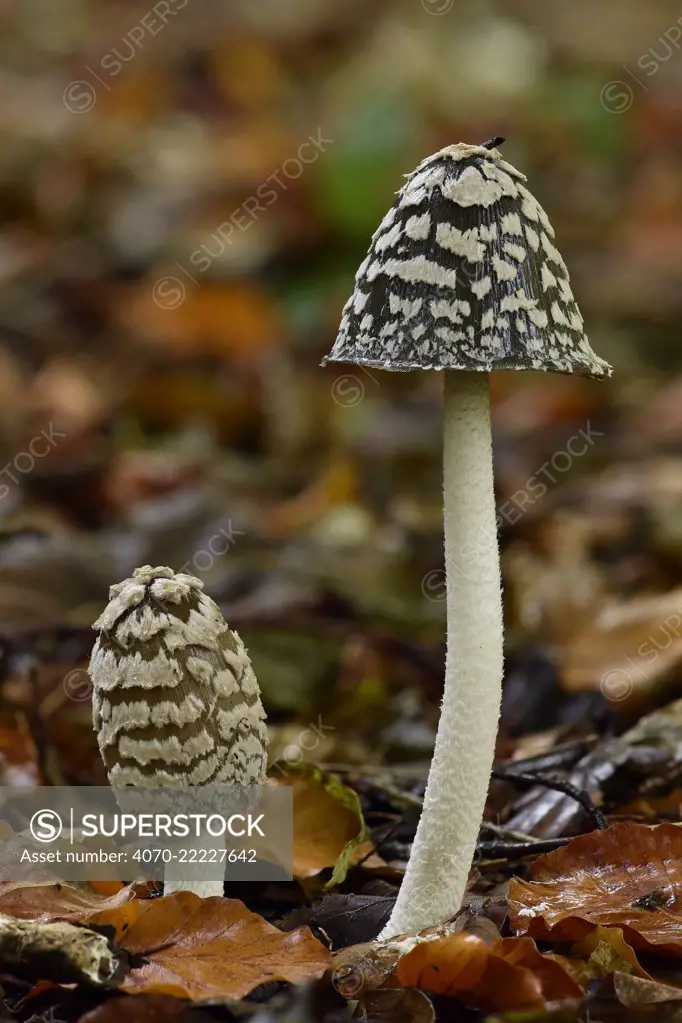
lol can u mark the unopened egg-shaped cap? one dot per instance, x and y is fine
(175, 699)
(463, 273)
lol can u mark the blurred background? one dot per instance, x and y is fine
(186, 191)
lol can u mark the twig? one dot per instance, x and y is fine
(559, 785)
(507, 834)
(564, 755)
(507, 850)
(375, 847)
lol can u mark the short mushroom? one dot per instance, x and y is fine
(175, 700)
(462, 276)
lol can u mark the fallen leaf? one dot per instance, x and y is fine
(628, 876)
(628, 649)
(60, 901)
(219, 318)
(512, 974)
(169, 395)
(527, 411)
(346, 919)
(554, 972)
(365, 967)
(60, 952)
(210, 948)
(329, 829)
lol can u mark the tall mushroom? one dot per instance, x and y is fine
(175, 700)
(462, 276)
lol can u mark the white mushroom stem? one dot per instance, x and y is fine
(198, 866)
(444, 845)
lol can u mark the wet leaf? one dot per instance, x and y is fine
(628, 876)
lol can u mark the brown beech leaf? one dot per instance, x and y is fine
(512, 974)
(222, 319)
(628, 876)
(45, 902)
(210, 948)
(329, 829)
(555, 973)
(628, 649)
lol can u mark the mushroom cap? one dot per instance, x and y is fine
(462, 273)
(175, 699)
